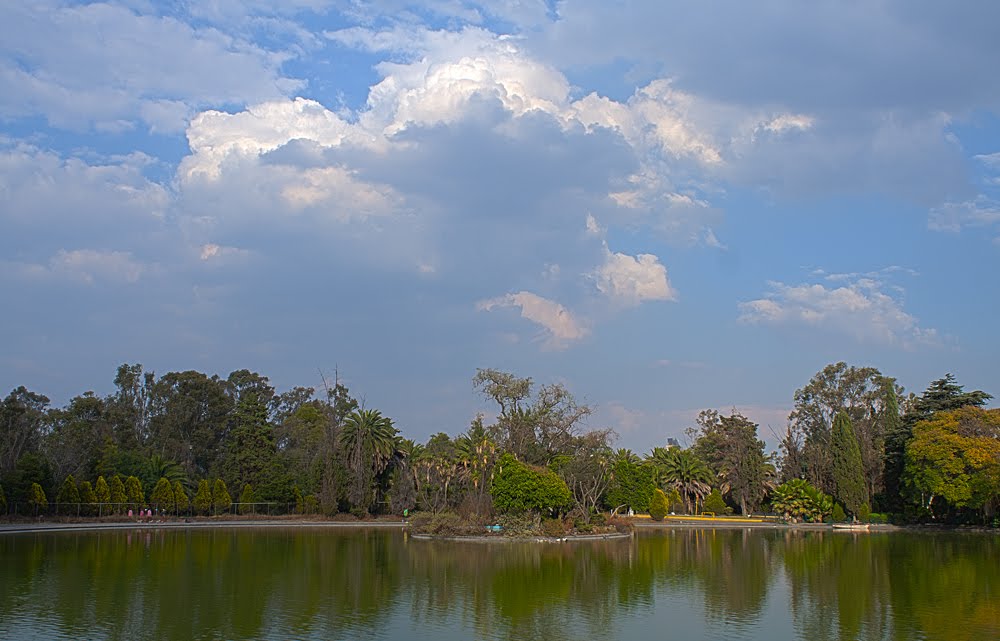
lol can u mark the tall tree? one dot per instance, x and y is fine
(130, 406)
(848, 474)
(21, 417)
(189, 421)
(857, 391)
(730, 447)
(369, 440)
(689, 475)
(252, 457)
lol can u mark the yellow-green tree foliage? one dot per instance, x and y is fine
(716, 504)
(246, 498)
(297, 493)
(955, 457)
(3, 501)
(181, 501)
(133, 491)
(117, 492)
(69, 492)
(658, 505)
(37, 498)
(102, 493)
(221, 500)
(162, 496)
(203, 498)
(87, 497)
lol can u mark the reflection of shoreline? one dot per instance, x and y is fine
(24, 528)
(756, 525)
(524, 539)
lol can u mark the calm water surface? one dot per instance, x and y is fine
(313, 583)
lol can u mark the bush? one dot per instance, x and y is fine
(632, 486)
(519, 488)
(102, 493)
(658, 505)
(838, 516)
(299, 505)
(117, 492)
(221, 501)
(554, 528)
(3, 501)
(37, 498)
(181, 502)
(69, 492)
(246, 498)
(622, 526)
(310, 504)
(133, 491)
(87, 497)
(162, 496)
(716, 504)
(864, 512)
(878, 518)
(203, 498)
(523, 524)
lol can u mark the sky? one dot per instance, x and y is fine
(664, 206)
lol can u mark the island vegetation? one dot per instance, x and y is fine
(186, 443)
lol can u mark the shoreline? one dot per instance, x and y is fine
(525, 539)
(27, 528)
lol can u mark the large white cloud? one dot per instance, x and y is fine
(633, 279)
(105, 66)
(859, 308)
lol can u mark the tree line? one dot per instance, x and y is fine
(854, 445)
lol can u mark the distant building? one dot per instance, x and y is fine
(672, 443)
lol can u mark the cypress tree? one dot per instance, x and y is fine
(299, 507)
(87, 497)
(246, 498)
(117, 494)
(3, 501)
(658, 505)
(162, 496)
(203, 498)
(37, 498)
(221, 500)
(848, 475)
(69, 492)
(896, 438)
(181, 502)
(133, 491)
(102, 493)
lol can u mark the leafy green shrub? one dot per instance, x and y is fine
(3, 501)
(658, 506)
(716, 504)
(246, 498)
(203, 498)
(162, 496)
(876, 517)
(181, 502)
(838, 516)
(37, 498)
(117, 492)
(221, 501)
(133, 491)
(102, 493)
(310, 504)
(797, 499)
(69, 492)
(519, 488)
(299, 504)
(87, 497)
(864, 512)
(632, 486)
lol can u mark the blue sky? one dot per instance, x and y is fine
(665, 206)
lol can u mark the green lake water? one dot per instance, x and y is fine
(325, 583)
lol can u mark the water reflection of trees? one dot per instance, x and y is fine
(320, 584)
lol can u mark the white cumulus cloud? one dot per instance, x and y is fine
(633, 279)
(559, 325)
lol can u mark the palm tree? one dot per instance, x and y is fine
(682, 470)
(626, 455)
(369, 439)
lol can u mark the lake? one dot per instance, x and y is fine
(377, 583)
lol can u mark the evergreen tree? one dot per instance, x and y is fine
(117, 494)
(297, 493)
(252, 456)
(848, 475)
(3, 501)
(162, 496)
(838, 515)
(203, 498)
(221, 500)
(181, 502)
(37, 498)
(246, 498)
(102, 494)
(896, 438)
(716, 504)
(87, 497)
(69, 492)
(658, 505)
(133, 491)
